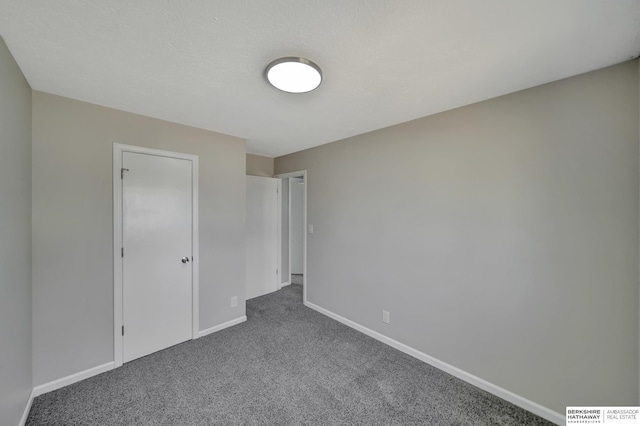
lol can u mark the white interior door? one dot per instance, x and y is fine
(297, 226)
(285, 270)
(157, 262)
(262, 236)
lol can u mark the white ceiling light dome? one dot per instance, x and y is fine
(293, 74)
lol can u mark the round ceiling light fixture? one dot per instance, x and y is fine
(293, 75)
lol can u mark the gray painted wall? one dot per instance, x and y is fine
(502, 237)
(258, 165)
(72, 226)
(15, 239)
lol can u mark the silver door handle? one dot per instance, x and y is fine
(185, 259)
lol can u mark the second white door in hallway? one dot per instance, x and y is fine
(297, 226)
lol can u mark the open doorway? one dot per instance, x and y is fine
(293, 235)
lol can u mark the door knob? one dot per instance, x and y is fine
(185, 259)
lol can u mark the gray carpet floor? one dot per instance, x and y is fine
(287, 365)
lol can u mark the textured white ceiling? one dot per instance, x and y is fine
(201, 62)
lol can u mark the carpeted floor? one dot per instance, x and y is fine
(287, 365)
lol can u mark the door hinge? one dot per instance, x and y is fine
(122, 252)
(123, 330)
(276, 272)
(122, 170)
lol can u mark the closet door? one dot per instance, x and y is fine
(262, 236)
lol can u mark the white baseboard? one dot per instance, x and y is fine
(27, 409)
(222, 326)
(509, 396)
(285, 284)
(68, 380)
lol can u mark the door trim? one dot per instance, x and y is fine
(305, 281)
(118, 149)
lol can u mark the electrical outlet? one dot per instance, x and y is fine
(385, 317)
(234, 301)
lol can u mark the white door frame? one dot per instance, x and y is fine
(118, 149)
(305, 281)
